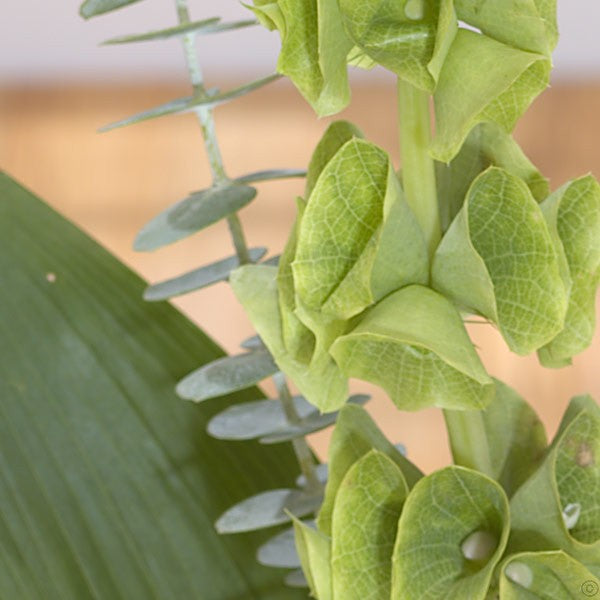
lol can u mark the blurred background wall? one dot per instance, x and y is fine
(57, 87)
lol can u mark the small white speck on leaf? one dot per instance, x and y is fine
(50, 277)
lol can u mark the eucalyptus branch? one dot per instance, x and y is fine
(301, 448)
(207, 124)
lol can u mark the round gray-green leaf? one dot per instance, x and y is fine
(226, 375)
(266, 510)
(451, 535)
(498, 259)
(197, 211)
(414, 345)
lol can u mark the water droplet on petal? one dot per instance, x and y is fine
(479, 546)
(520, 574)
(414, 9)
(571, 514)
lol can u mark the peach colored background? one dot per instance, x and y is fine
(111, 184)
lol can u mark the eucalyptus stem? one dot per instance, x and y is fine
(207, 124)
(418, 171)
(301, 448)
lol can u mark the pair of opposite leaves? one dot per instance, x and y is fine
(420, 41)
(374, 537)
(350, 297)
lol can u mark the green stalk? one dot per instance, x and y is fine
(301, 448)
(470, 444)
(207, 124)
(418, 172)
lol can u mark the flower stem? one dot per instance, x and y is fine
(470, 443)
(301, 448)
(418, 172)
(207, 124)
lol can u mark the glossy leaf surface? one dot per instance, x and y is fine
(109, 484)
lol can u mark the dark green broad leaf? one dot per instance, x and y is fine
(526, 24)
(267, 509)
(314, 551)
(250, 420)
(497, 87)
(546, 576)
(487, 145)
(345, 259)
(226, 375)
(414, 345)
(505, 441)
(451, 535)
(279, 551)
(203, 27)
(314, 49)
(109, 484)
(364, 522)
(409, 37)
(270, 175)
(354, 436)
(190, 103)
(91, 8)
(558, 507)
(197, 211)
(573, 216)
(498, 259)
(198, 278)
(320, 381)
(310, 424)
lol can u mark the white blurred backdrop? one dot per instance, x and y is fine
(47, 42)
